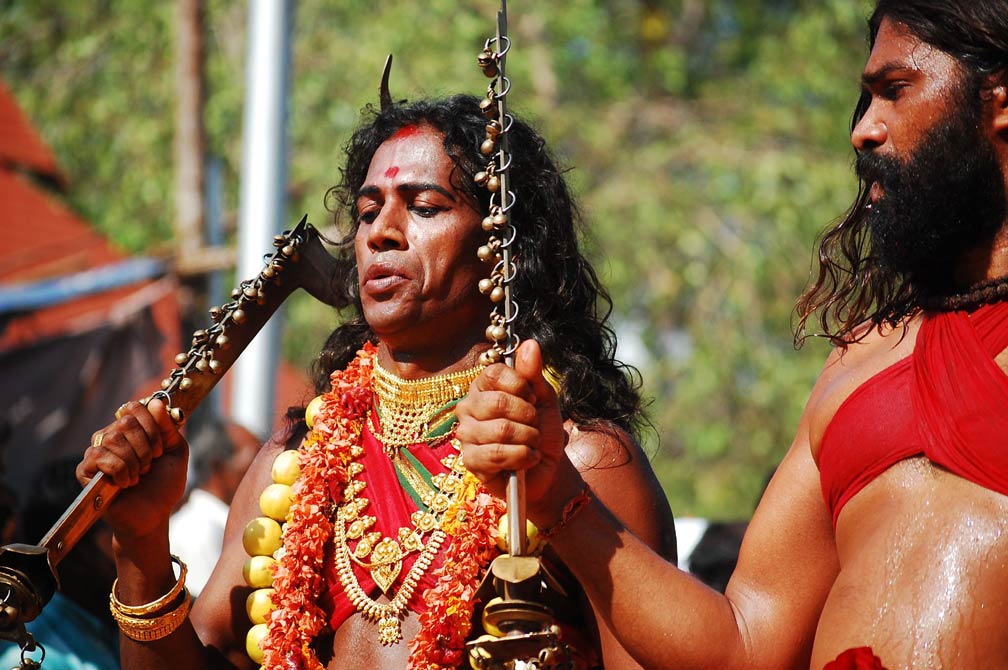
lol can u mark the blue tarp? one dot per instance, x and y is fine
(29, 296)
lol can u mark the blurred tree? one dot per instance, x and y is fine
(708, 139)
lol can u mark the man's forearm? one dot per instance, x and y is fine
(662, 615)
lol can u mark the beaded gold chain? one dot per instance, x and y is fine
(407, 407)
(383, 556)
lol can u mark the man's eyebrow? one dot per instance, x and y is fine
(409, 187)
(880, 73)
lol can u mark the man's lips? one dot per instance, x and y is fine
(875, 193)
(381, 276)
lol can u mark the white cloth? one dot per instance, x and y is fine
(196, 535)
(689, 531)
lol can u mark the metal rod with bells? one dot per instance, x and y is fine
(528, 636)
(28, 575)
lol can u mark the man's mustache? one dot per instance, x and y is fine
(871, 167)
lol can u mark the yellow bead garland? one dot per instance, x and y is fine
(262, 538)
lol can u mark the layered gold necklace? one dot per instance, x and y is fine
(383, 556)
(406, 408)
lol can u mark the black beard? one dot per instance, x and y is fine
(947, 198)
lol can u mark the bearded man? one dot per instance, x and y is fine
(387, 537)
(882, 538)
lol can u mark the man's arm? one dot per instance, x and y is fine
(146, 456)
(620, 476)
(663, 616)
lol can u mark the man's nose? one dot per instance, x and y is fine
(869, 133)
(387, 231)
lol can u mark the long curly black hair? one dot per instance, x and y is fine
(852, 286)
(562, 305)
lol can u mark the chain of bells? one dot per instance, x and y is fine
(497, 223)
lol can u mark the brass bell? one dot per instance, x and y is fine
(497, 333)
(497, 294)
(185, 384)
(202, 365)
(488, 147)
(494, 354)
(500, 219)
(485, 286)
(493, 184)
(238, 316)
(215, 313)
(180, 359)
(176, 414)
(250, 292)
(487, 223)
(485, 253)
(279, 240)
(222, 341)
(493, 129)
(215, 367)
(489, 108)
(165, 383)
(481, 178)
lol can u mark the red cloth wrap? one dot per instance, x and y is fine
(392, 507)
(948, 400)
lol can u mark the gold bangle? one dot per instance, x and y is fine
(570, 510)
(154, 606)
(148, 630)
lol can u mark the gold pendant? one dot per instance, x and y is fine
(387, 559)
(389, 630)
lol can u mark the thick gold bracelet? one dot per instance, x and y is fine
(148, 630)
(154, 606)
(570, 510)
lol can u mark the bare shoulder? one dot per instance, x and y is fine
(620, 475)
(849, 367)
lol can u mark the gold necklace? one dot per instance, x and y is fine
(407, 407)
(383, 556)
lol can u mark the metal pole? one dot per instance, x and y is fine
(263, 202)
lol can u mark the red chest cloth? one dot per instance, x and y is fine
(859, 658)
(392, 507)
(948, 401)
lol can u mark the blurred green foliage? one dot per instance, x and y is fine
(707, 139)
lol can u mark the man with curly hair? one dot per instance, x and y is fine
(386, 536)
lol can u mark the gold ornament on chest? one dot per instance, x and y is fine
(382, 557)
(407, 408)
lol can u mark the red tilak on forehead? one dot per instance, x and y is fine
(391, 172)
(406, 131)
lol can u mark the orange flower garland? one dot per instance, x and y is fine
(446, 624)
(329, 447)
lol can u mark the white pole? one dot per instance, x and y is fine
(263, 203)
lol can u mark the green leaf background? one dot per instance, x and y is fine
(707, 141)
